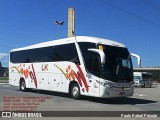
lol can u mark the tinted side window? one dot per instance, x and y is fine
(91, 59)
(31, 55)
(66, 52)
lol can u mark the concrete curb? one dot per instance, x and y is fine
(4, 81)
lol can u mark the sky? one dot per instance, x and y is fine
(135, 23)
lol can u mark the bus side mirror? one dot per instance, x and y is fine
(100, 52)
(138, 58)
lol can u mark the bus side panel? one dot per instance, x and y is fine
(55, 76)
(11, 75)
(94, 86)
(18, 71)
(42, 81)
(11, 78)
(54, 82)
(71, 72)
(14, 76)
(65, 84)
(17, 79)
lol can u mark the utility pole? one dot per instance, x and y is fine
(70, 22)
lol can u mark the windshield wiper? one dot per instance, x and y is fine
(117, 69)
(128, 58)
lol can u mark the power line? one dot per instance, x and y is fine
(129, 13)
(2, 31)
(14, 38)
(151, 5)
(11, 41)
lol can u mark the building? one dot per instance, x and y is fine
(155, 71)
(3, 71)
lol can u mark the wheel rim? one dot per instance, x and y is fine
(75, 91)
(23, 85)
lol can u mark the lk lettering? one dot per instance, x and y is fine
(44, 67)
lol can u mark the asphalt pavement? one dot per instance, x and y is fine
(144, 99)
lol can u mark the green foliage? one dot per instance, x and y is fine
(4, 78)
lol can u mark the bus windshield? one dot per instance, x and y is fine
(146, 76)
(118, 65)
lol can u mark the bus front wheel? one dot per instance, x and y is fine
(75, 91)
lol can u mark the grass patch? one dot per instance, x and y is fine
(4, 78)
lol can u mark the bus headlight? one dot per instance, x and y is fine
(109, 85)
(105, 84)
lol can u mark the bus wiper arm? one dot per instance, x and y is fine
(117, 69)
(128, 58)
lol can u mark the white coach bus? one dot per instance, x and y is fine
(143, 79)
(79, 65)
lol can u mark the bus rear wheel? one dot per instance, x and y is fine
(75, 91)
(23, 86)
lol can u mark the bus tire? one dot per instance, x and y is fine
(23, 85)
(75, 91)
(150, 85)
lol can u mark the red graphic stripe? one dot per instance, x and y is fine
(34, 76)
(82, 77)
(77, 76)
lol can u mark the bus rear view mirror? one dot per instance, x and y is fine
(100, 52)
(138, 58)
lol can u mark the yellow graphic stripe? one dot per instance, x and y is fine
(61, 70)
(16, 69)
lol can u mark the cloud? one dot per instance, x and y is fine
(2, 55)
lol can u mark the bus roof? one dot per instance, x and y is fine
(72, 40)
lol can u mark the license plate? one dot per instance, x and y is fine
(136, 80)
(122, 93)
